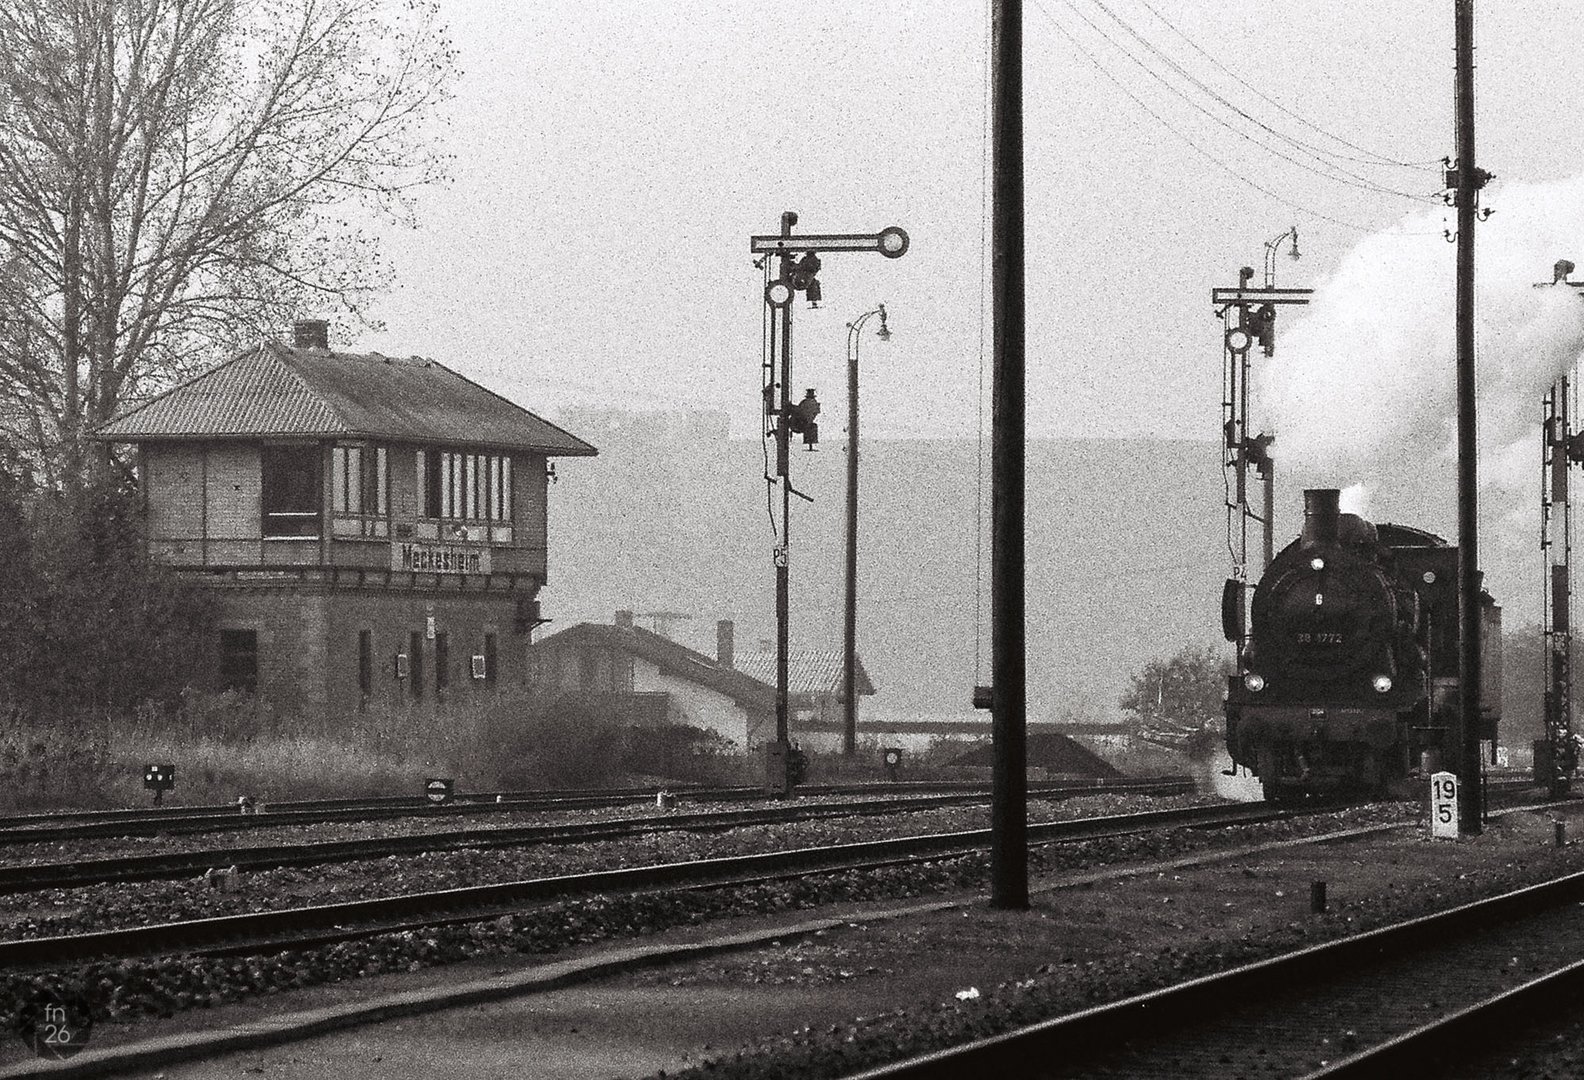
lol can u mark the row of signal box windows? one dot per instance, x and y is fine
(451, 486)
(239, 663)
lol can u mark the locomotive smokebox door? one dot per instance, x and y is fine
(439, 790)
(159, 779)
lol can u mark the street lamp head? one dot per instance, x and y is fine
(884, 333)
(1293, 254)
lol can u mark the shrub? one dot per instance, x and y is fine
(682, 752)
(538, 742)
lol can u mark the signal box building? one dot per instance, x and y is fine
(374, 528)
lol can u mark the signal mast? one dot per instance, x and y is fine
(1561, 446)
(1248, 316)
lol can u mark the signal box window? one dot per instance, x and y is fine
(366, 663)
(239, 660)
(357, 480)
(465, 487)
(293, 492)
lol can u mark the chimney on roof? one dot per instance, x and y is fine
(725, 642)
(311, 334)
(624, 619)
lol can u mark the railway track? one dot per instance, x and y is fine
(1401, 1000)
(184, 864)
(324, 924)
(175, 821)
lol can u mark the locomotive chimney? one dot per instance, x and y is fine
(1322, 512)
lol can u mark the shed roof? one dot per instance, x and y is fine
(274, 390)
(1057, 753)
(809, 671)
(671, 658)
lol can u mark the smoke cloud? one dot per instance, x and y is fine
(1362, 390)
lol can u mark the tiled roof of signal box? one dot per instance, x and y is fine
(274, 390)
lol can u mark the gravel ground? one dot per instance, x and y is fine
(122, 992)
(1129, 937)
(52, 912)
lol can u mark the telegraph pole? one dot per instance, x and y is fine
(1466, 179)
(1008, 685)
(1556, 538)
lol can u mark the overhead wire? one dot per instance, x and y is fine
(1347, 178)
(767, 378)
(1229, 170)
(1371, 156)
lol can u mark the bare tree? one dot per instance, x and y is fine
(181, 174)
(1177, 700)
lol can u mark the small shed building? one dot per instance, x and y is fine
(639, 676)
(815, 684)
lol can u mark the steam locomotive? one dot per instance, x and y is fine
(1349, 678)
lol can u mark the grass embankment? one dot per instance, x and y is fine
(223, 747)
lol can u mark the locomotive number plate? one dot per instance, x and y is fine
(1326, 637)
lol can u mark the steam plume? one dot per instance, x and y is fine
(1362, 389)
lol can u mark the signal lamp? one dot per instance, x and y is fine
(1317, 563)
(1429, 577)
(778, 293)
(1254, 682)
(1382, 684)
(893, 242)
(1265, 327)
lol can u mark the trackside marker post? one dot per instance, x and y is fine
(1444, 806)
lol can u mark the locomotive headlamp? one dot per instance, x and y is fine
(1317, 564)
(1254, 682)
(1429, 577)
(1383, 683)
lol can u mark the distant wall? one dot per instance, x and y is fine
(1126, 555)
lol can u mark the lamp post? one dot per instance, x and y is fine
(850, 620)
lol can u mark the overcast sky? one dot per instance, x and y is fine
(612, 160)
